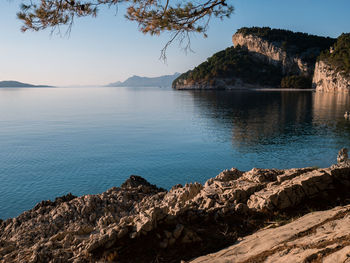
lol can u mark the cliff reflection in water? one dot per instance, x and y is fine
(330, 106)
(329, 109)
(274, 117)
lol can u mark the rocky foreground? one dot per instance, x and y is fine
(139, 222)
(322, 236)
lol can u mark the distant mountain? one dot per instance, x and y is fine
(17, 84)
(137, 81)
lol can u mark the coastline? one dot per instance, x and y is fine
(281, 89)
(222, 84)
(239, 86)
(245, 89)
(139, 222)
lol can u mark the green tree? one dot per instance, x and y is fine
(153, 16)
(232, 63)
(339, 55)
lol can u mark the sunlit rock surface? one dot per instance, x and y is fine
(328, 79)
(273, 52)
(139, 222)
(314, 237)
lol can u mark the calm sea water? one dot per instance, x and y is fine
(86, 140)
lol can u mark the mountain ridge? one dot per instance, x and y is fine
(138, 81)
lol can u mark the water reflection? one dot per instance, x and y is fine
(85, 141)
(259, 117)
(329, 109)
(330, 106)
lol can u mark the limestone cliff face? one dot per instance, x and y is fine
(327, 79)
(274, 54)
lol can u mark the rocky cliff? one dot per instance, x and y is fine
(259, 54)
(274, 54)
(139, 222)
(295, 52)
(328, 79)
(332, 72)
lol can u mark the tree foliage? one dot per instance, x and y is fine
(339, 55)
(296, 82)
(153, 16)
(235, 62)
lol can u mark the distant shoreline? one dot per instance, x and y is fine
(29, 87)
(17, 84)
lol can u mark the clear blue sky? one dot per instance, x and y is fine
(109, 48)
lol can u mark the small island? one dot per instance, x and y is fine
(17, 84)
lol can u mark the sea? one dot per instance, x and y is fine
(55, 141)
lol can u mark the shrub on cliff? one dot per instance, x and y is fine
(339, 55)
(235, 63)
(296, 82)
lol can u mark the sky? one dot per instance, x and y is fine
(109, 48)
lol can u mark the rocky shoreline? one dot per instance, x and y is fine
(218, 84)
(139, 222)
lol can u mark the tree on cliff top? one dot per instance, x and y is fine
(339, 55)
(153, 16)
